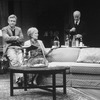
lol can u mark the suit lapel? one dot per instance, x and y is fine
(16, 31)
(9, 31)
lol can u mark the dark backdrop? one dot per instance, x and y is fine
(91, 15)
(53, 15)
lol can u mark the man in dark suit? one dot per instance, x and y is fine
(77, 29)
(13, 38)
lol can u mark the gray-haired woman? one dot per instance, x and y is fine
(36, 55)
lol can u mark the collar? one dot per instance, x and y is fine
(77, 22)
(33, 41)
(11, 28)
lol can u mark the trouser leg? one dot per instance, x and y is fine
(16, 59)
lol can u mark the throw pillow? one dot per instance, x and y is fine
(89, 55)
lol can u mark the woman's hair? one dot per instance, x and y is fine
(31, 31)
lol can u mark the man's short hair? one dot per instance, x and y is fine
(12, 16)
(77, 13)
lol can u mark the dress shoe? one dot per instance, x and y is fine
(19, 82)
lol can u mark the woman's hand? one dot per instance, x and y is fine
(53, 47)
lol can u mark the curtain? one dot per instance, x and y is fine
(3, 13)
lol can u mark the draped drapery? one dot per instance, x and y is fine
(3, 13)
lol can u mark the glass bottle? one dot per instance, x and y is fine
(67, 41)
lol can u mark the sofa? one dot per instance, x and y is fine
(84, 63)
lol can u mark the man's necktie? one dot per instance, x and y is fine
(76, 22)
(13, 31)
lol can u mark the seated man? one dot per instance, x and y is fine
(13, 39)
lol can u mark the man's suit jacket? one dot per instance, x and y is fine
(8, 37)
(80, 28)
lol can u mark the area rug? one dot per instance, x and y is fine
(38, 94)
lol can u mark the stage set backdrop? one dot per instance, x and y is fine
(51, 16)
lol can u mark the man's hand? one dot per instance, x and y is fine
(17, 37)
(78, 36)
(73, 29)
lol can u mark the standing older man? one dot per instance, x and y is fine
(13, 38)
(76, 29)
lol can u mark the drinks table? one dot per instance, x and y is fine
(44, 70)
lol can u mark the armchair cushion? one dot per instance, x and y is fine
(85, 68)
(64, 55)
(89, 55)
